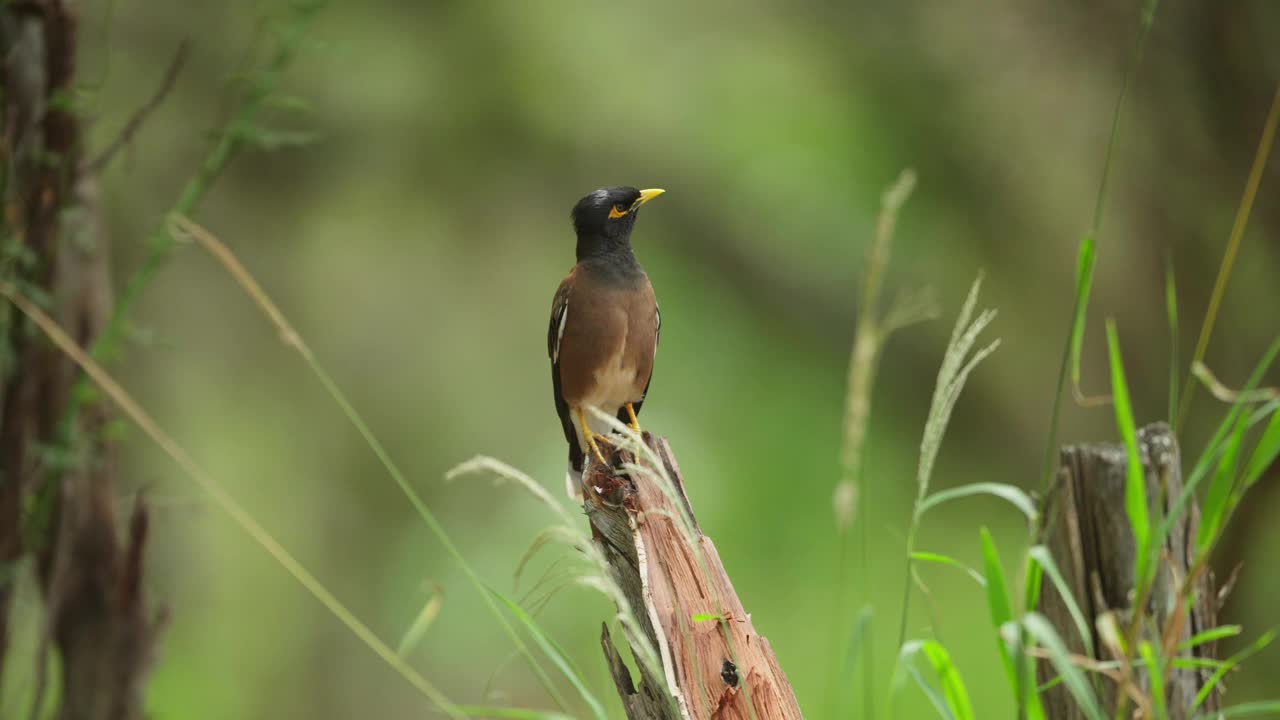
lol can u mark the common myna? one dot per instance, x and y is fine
(604, 326)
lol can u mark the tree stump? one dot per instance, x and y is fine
(714, 665)
(1088, 534)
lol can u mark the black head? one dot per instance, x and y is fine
(604, 218)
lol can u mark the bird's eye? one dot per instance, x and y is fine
(618, 210)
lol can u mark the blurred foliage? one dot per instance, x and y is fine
(417, 240)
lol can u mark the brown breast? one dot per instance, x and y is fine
(609, 340)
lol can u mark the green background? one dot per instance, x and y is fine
(416, 245)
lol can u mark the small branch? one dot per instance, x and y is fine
(131, 128)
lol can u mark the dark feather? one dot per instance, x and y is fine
(558, 307)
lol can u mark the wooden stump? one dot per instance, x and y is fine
(714, 663)
(1088, 534)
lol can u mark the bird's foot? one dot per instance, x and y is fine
(592, 438)
(594, 442)
(635, 422)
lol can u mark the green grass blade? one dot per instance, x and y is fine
(1216, 444)
(1095, 227)
(1233, 241)
(553, 651)
(1077, 684)
(224, 500)
(505, 713)
(1033, 576)
(1217, 499)
(1013, 495)
(1040, 554)
(1084, 283)
(953, 687)
(953, 701)
(855, 647)
(931, 692)
(1261, 708)
(421, 623)
(1230, 664)
(1135, 488)
(1155, 674)
(858, 636)
(940, 559)
(999, 607)
(1210, 635)
(294, 339)
(1264, 453)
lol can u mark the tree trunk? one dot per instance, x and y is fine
(57, 472)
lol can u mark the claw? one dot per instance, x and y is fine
(590, 437)
(635, 422)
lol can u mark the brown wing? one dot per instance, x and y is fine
(647, 336)
(555, 331)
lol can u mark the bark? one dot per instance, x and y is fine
(57, 473)
(1089, 535)
(714, 663)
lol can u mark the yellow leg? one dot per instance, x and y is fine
(590, 436)
(631, 413)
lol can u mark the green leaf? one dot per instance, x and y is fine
(931, 692)
(1155, 673)
(1072, 676)
(1008, 493)
(955, 703)
(1135, 489)
(1033, 574)
(952, 685)
(1210, 635)
(1270, 708)
(1040, 554)
(999, 606)
(1264, 453)
(947, 560)
(1230, 664)
(1084, 281)
(704, 617)
(1215, 445)
(555, 654)
(1217, 501)
(857, 636)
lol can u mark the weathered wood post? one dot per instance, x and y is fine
(1089, 536)
(714, 663)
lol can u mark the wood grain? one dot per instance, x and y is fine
(715, 666)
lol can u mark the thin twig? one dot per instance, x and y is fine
(139, 117)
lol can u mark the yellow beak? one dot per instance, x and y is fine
(647, 195)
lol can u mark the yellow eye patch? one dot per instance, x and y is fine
(614, 212)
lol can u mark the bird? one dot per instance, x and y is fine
(602, 337)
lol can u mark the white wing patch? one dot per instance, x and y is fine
(657, 338)
(564, 316)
